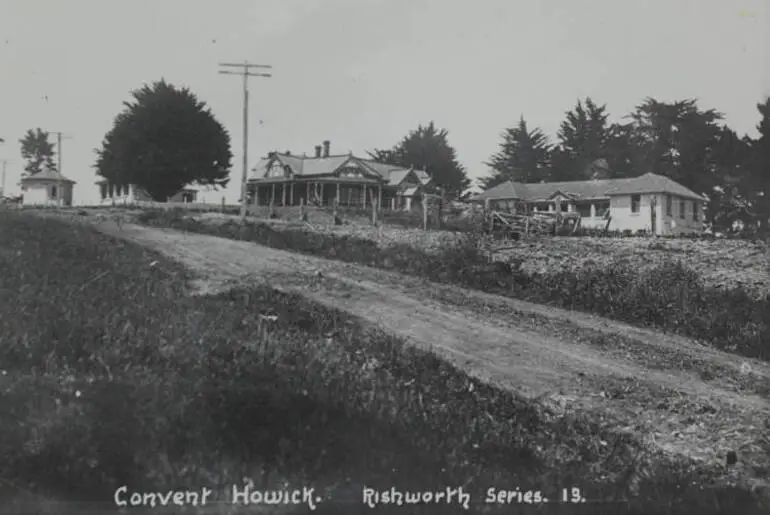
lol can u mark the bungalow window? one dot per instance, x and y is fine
(669, 205)
(635, 201)
(602, 208)
(583, 209)
(681, 209)
(695, 211)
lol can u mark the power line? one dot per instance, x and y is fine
(245, 72)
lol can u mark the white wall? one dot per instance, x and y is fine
(39, 194)
(135, 194)
(674, 224)
(623, 218)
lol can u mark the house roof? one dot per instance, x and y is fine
(652, 183)
(594, 189)
(47, 175)
(307, 166)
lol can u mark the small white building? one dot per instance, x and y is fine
(130, 193)
(47, 188)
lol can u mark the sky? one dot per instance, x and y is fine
(363, 73)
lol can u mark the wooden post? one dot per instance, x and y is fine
(223, 205)
(424, 213)
(338, 194)
(366, 192)
(302, 209)
(379, 196)
(307, 192)
(283, 193)
(291, 193)
(334, 210)
(272, 196)
(374, 209)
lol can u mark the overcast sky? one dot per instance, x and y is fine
(362, 73)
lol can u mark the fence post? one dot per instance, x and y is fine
(375, 207)
(223, 205)
(335, 213)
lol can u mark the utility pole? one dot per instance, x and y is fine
(2, 188)
(59, 137)
(245, 72)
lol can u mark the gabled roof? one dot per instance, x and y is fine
(595, 189)
(652, 183)
(307, 166)
(47, 175)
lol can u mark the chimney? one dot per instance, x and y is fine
(326, 148)
(318, 150)
(271, 155)
(288, 153)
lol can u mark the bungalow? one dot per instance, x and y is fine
(47, 188)
(649, 202)
(286, 180)
(130, 193)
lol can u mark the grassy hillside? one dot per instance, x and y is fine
(113, 375)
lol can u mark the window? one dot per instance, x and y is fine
(635, 201)
(681, 209)
(53, 192)
(669, 205)
(695, 210)
(602, 208)
(583, 209)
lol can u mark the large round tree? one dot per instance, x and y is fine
(163, 140)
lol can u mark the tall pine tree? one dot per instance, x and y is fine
(427, 148)
(524, 156)
(760, 166)
(583, 138)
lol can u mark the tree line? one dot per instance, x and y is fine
(166, 138)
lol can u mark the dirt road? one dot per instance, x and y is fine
(656, 385)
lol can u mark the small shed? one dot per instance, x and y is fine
(47, 188)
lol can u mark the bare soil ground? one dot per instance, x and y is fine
(682, 397)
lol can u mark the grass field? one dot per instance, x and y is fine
(112, 374)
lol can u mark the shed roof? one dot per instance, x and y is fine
(46, 175)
